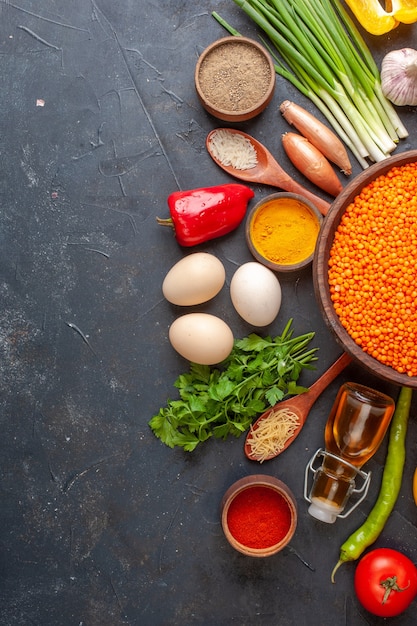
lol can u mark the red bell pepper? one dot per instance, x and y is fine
(199, 215)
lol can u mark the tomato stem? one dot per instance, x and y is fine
(390, 584)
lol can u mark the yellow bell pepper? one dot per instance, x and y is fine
(405, 11)
(372, 16)
(378, 21)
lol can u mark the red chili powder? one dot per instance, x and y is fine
(259, 517)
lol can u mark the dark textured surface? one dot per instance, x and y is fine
(101, 524)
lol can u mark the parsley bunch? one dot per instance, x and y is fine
(259, 372)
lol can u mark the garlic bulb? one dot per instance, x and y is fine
(399, 76)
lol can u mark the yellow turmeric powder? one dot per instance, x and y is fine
(285, 231)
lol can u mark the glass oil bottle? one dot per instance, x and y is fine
(355, 428)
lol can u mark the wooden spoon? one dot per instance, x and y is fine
(300, 405)
(267, 171)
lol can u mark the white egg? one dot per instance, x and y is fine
(201, 338)
(195, 279)
(256, 293)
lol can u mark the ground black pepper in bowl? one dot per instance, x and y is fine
(235, 78)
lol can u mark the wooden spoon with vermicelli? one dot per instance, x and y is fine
(292, 412)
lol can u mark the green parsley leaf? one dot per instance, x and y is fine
(222, 401)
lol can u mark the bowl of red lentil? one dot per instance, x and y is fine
(259, 515)
(235, 79)
(364, 269)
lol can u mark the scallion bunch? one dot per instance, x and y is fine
(317, 47)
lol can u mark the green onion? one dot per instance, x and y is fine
(317, 47)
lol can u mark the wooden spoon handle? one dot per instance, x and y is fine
(329, 375)
(292, 186)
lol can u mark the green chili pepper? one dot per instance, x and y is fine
(370, 530)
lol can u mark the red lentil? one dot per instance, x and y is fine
(372, 275)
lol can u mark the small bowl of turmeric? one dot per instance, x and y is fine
(282, 231)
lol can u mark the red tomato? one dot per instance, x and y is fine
(385, 582)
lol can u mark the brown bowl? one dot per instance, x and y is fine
(235, 79)
(320, 269)
(266, 214)
(253, 493)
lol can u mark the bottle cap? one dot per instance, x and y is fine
(324, 511)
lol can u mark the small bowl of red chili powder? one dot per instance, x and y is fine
(259, 515)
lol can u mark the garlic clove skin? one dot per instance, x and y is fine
(399, 76)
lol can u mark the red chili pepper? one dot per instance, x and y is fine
(199, 215)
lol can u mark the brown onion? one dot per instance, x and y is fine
(318, 134)
(311, 162)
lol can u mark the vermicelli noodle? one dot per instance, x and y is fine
(272, 433)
